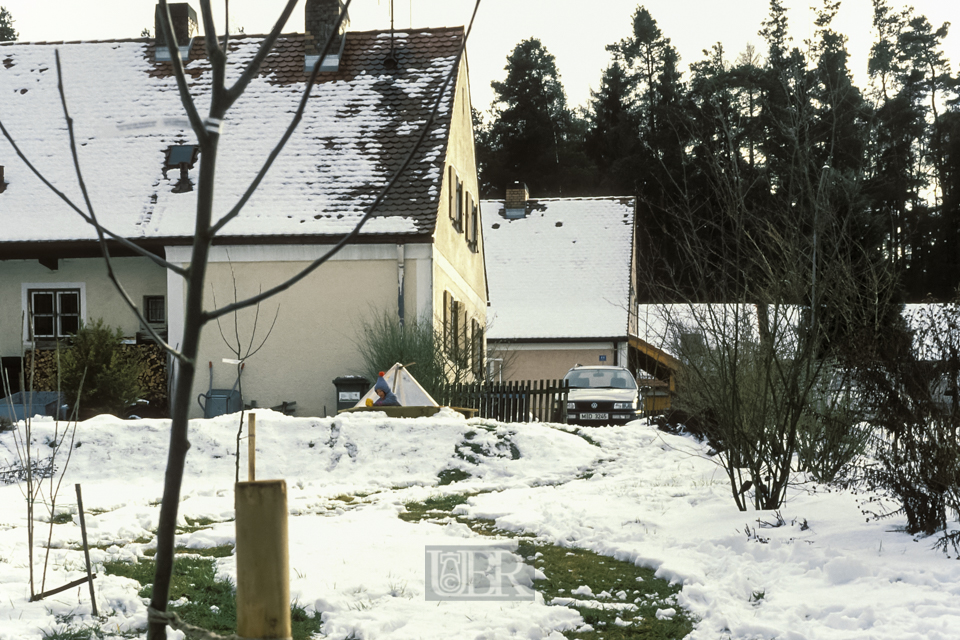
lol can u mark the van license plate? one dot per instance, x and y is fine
(594, 416)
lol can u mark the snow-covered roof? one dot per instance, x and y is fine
(563, 271)
(360, 123)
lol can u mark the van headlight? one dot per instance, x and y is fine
(624, 405)
(571, 405)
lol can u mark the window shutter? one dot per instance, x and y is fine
(476, 349)
(457, 327)
(459, 205)
(476, 226)
(452, 193)
(446, 319)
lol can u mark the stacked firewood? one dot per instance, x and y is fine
(44, 372)
(153, 376)
(152, 379)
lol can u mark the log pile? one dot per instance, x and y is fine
(44, 372)
(152, 379)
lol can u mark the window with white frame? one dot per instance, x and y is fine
(53, 313)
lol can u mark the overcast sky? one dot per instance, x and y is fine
(575, 31)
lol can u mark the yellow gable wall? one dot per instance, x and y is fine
(99, 299)
(456, 268)
(319, 319)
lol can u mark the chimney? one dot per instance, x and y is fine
(185, 27)
(319, 19)
(515, 204)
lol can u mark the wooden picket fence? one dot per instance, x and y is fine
(517, 401)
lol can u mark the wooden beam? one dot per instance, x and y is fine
(75, 583)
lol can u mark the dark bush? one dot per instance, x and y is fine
(910, 389)
(97, 373)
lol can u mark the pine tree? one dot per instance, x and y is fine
(7, 32)
(908, 165)
(613, 136)
(526, 140)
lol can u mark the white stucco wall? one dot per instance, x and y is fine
(99, 298)
(318, 320)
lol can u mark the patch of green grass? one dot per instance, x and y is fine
(302, 624)
(436, 506)
(223, 551)
(209, 603)
(196, 524)
(65, 630)
(63, 518)
(344, 497)
(568, 569)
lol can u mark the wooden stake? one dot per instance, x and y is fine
(263, 564)
(86, 550)
(252, 447)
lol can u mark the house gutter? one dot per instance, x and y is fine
(400, 268)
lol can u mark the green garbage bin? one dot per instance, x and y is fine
(349, 390)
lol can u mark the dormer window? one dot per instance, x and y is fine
(183, 157)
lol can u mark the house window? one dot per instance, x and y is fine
(154, 309)
(53, 313)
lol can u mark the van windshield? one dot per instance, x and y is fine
(600, 379)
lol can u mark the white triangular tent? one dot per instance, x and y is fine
(404, 386)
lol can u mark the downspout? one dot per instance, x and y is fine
(400, 266)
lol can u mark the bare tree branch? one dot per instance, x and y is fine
(123, 241)
(266, 46)
(294, 122)
(225, 44)
(209, 315)
(93, 216)
(215, 54)
(166, 25)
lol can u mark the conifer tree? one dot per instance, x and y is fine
(526, 140)
(7, 32)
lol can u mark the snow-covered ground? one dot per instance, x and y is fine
(652, 499)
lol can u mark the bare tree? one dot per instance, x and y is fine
(207, 130)
(242, 353)
(32, 469)
(767, 289)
